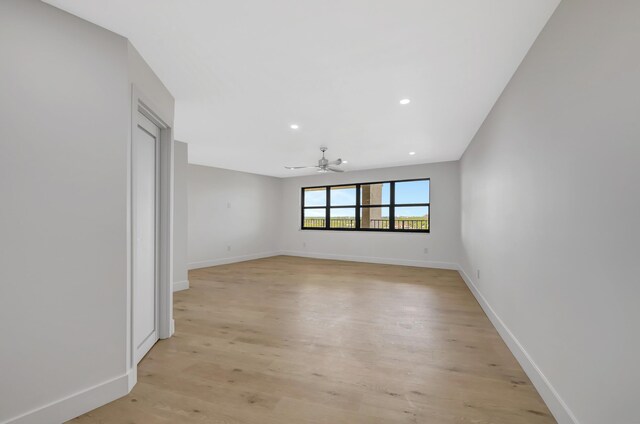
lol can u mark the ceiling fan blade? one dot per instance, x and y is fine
(335, 169)
(335, 162)
(299, 167)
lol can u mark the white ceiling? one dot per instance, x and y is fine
(243, 71)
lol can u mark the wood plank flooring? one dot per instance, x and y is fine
(296, 340)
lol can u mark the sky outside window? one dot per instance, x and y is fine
(412, 192)
(315, 196)
(314, 213)
(343, 196)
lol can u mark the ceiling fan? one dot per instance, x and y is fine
(323, 164)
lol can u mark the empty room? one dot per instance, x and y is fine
(327, 212)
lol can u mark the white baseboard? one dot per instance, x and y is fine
(372, 259)
(132, 377)
(76, 404)
(554, 402)
(180, 285)
(230, 260)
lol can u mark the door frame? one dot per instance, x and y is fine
(142, 123)
(164, 224)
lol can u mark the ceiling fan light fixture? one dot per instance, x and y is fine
(324, 165)
(405, 101)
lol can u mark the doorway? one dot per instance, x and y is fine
(145, 166)
(150, 299)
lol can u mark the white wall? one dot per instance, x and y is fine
(551, 210)
(180, 216)
(65, 108)
(63, 134)
(443, 242)
(232, 215)
(148, 84)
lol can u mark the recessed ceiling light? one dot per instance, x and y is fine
(294, 126)
(405, 101)
(345, 161)
(412, 153)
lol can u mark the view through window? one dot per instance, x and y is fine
(380, 206)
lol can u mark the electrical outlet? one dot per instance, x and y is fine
(228, 205)
(426, 250)
(478, 273)
(304, 244)
(228, 248)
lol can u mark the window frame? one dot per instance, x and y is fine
(358, 207)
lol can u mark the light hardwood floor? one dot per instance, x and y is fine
(294, 340)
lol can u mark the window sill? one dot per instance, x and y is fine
(334, 230)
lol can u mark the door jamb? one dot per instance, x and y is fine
(140, 103)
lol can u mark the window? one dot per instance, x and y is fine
(401, 206)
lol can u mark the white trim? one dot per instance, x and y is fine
(132, 379)
(230, 260)
(373, 233)
(349, 258)
(76, 404)
(180, 285)
(139, 103)
(153, 129)
(372, 259)
(556, 405)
